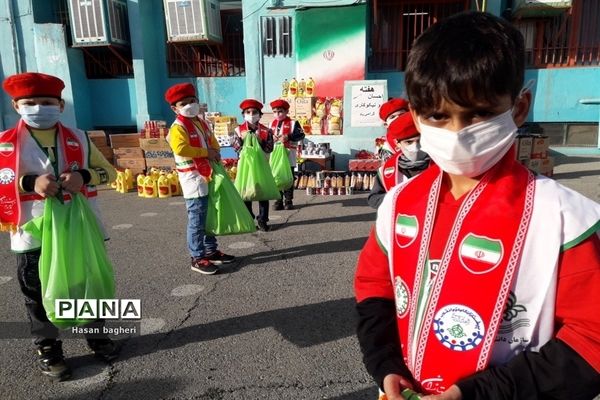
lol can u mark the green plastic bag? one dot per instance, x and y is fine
(254, 180)
(73, 261)
(227, 213)
(280, 167)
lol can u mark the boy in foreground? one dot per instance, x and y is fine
(480, 280)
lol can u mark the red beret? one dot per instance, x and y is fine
(251, 103)
(280, 103)
(179, 91)
(401, 128)
(33, 84)
(391, 106)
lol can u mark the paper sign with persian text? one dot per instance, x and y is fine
(365, 103)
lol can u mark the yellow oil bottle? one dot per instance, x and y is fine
(164, 187)
(293, 90)
(174, 183)
(311, 87)
(140, 185)
(128, 180)
(150, 189)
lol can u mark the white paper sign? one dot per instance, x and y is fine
(365, 103)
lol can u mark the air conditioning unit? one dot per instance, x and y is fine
(98, 22)
(193, 20)
(540, 8)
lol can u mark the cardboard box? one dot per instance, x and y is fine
(292, 110)
(547, 166)
(364, 165)
(523, 147)
(128, 152)
(540, 146)
(124, 140)
(534, 164)
(154, 144)
(158, 154)
(107, 152)
(136, 165)
(98, 138)
(304, 106)
(161, 163)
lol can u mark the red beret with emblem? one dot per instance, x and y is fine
(401, 128)
(33, 84)
(280, 103)
(251, 103)
(391, 106)
(179, 91)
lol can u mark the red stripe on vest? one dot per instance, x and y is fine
(389, 172)
(262, 131)
(202, 165)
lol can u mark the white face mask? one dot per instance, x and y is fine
(190, 110)
(412, 151)
(252, 118)
(40, 117)
(472, 150)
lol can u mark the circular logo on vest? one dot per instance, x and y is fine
(74, 166)
(7, 176)
(480, 254)
(402, 297)
(458, 327)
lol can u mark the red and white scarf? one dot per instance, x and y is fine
(448, 329)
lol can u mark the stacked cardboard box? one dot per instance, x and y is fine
(128, 153)
(158, 153)
(98, 138)
(532, 151)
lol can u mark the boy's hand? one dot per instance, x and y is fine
(71, 181)
(214, 155)
(46, 185)
(453, 393)
(393, 384)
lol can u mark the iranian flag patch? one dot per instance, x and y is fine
(406, 229)
(6, 148)
(479, 254)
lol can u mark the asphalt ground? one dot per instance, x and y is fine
(276, 324)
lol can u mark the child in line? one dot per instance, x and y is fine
(289, 132)
(407, 161)
(40, 159)
(194, 145)
(480, 279)
(252, 112)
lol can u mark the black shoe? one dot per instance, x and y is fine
(218, 258)
(51, 361)
(289, 206)
(104, 349)
(262, 226)
(278, 205)
(203, 266)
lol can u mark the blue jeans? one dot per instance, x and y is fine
(198, 242)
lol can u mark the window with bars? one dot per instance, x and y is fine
(277, 36)
(395, 25)
(569, 39)
(211, 60)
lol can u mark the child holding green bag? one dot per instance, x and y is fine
(289, 133)
(43, 159)
(252, 112)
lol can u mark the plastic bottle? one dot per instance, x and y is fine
(301, 88)
(340, 181)
(310, 88)
(285, 88)
(128, 179)
(140, 185)
(164, 187)
(173, 183)
(293, 89)
(150, 189)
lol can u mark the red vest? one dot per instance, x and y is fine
(262, 131)
(285, 130)
(202, 165)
